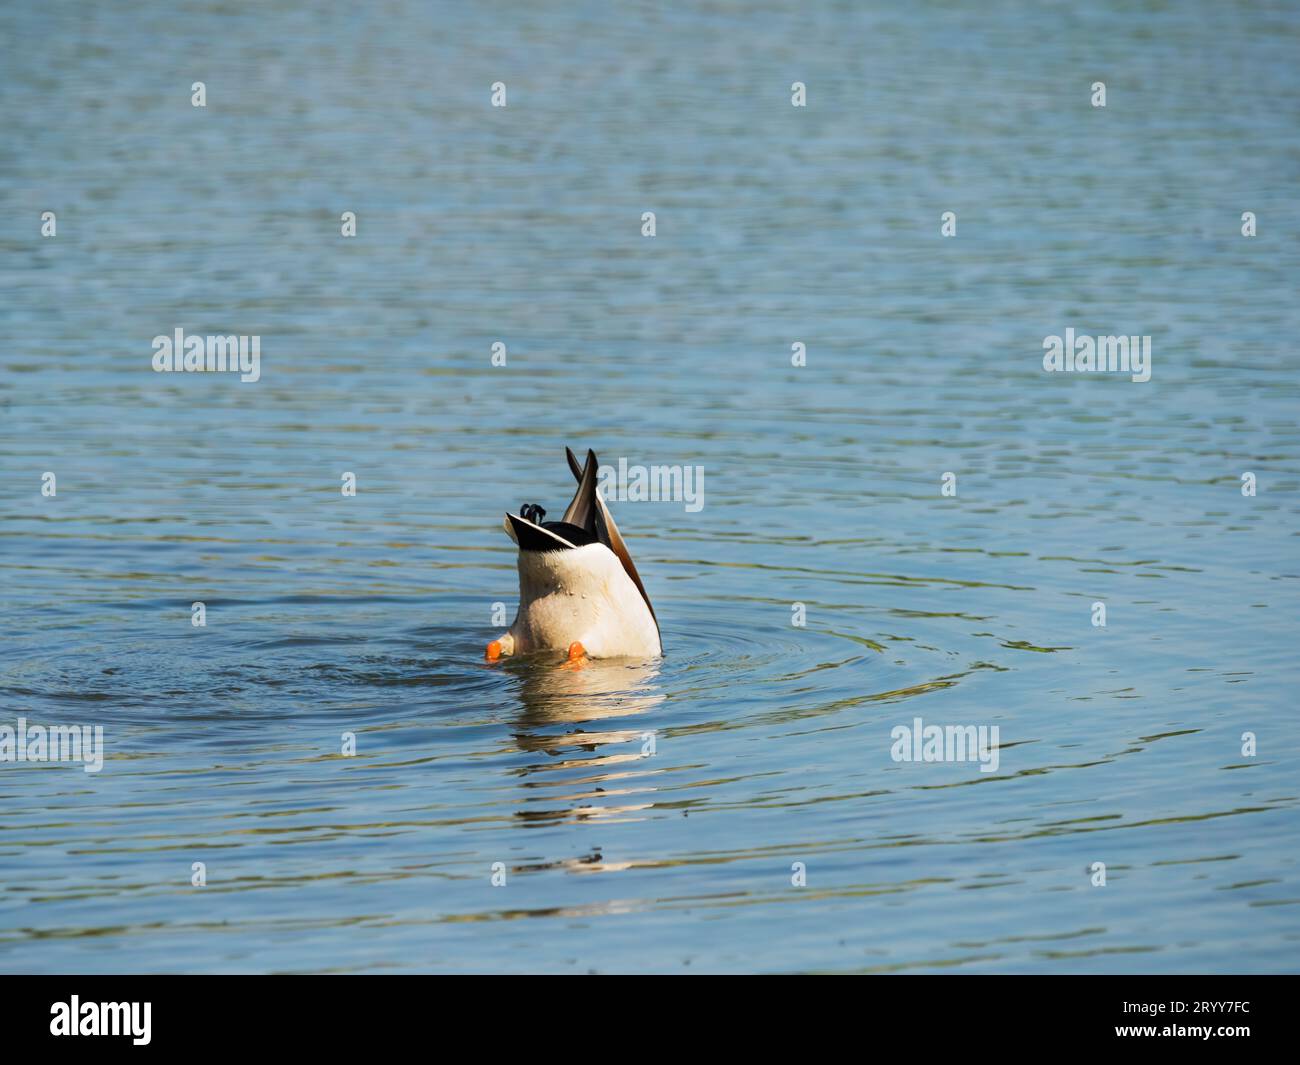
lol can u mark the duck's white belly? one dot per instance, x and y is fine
(582, 596)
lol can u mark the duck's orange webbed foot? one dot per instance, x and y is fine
(577, 656)
(503, 645)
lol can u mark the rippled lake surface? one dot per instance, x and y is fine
(775, 225)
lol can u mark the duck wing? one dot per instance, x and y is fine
(586, 475)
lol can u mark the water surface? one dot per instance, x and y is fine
(771, 742)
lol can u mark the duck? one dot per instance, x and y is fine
(579, 591)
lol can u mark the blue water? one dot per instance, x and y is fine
(775, 225)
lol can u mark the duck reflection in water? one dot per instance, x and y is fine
(589, 772)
